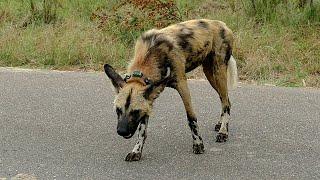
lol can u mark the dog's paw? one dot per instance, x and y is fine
(133, 156)
(222, 137)
(198, 148)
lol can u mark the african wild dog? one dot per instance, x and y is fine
(162, 59)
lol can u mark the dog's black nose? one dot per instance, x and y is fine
(123, 132)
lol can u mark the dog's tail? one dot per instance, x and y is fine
(232, 73)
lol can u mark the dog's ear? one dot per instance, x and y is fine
(154, 90)
(115, 78)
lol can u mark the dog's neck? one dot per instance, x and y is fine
(137, 76)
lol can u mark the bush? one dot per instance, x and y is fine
(127, 19)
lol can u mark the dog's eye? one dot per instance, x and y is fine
(135, 114)
(119, 112)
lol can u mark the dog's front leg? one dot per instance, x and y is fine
(182, 88)
(136, 153)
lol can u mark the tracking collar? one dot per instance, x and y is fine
(137, 74)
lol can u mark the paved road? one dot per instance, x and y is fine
(61, 125)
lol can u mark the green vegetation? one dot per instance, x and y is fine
(277, 41)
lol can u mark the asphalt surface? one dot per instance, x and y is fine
(61, 125)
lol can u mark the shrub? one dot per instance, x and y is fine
(127, 19)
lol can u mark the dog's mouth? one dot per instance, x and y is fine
(129, 130)
(132, 131)
(128, 137)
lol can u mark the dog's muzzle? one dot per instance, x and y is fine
(127, 129)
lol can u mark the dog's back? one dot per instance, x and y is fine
(194, 39)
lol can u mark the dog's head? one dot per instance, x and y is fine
(134, 99)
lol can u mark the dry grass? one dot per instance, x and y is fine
(270, 52)
(279, 56)
(72, 45)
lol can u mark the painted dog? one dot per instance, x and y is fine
(162, 59)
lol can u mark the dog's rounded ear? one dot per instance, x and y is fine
(115, 78)
(148, 91)
(154, 89)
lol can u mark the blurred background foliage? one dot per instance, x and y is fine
(277, 41)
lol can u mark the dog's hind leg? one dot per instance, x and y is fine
(215, 70)
(136, 153)
(182, 88)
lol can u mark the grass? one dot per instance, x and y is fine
(276, 41)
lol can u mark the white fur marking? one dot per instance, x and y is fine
(232, 74)
(139, 145)
(224, 119)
